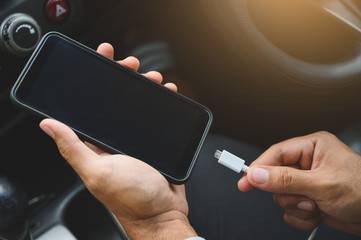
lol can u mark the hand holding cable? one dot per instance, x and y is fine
(315, 178)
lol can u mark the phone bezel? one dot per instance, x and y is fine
(41, 49)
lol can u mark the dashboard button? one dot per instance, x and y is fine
(57, 11)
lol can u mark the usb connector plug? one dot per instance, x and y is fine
(231, 161)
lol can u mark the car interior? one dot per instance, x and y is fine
(268, 70)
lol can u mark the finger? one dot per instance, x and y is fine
(78, 155)
(294, 151)
(304, 215)
(283, 180)
(287, 201)
(130, 62)
(180, 193)
(106, 49)
(155, 76)
(296, 222)
(352, 228)
(96, 149)
(178, 189)
(171, 86)
(244, 185)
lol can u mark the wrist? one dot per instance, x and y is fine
(170, 225)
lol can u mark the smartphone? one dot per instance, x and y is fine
(113, 107)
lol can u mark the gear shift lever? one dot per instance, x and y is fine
(13, 211)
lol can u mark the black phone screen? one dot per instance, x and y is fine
(114, 106)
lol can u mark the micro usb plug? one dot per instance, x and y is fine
(231, 161)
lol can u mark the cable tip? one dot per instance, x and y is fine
(245, 168)
(217, 154)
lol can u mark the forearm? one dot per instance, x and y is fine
(160, 227)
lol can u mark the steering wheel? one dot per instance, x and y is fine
(236, 24)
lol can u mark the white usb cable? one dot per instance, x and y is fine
(313, 234)
(237, 164)
(231, 161)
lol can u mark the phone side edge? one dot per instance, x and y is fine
(199, 148)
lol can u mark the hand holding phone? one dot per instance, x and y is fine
(139, 196)
(113, 107)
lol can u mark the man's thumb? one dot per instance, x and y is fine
(71, 148)
(281, 179)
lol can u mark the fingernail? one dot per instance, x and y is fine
(305, 205)
(260, 175)
(48, 131)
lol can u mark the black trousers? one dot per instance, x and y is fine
(218, 210)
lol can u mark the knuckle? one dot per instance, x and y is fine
(324, 134)
(279, 200)
(276, 150)
(275, 147)
(286, 180)
(66, 152)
